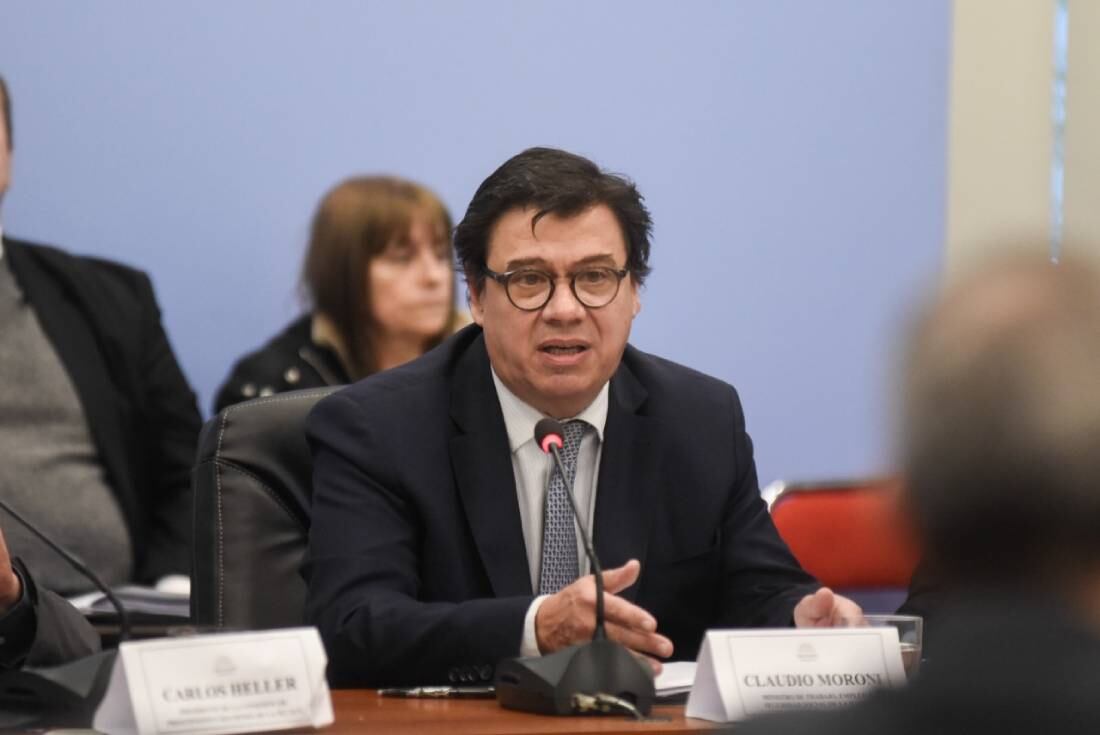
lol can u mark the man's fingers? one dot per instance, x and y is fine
(822, 602)
(627, 614)
(569, 616)
(618, 579)
(11, 589)
(653, 644)
(815, 609)
(846, 613)
(654, 665)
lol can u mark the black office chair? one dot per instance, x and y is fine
(252, 483)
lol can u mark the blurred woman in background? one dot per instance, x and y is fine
(379, 278)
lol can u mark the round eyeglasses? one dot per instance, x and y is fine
(529, 289)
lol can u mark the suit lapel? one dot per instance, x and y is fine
(482, 465)
(626, 494)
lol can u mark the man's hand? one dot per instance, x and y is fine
(10, 587)
(826, 609)
(569, 616)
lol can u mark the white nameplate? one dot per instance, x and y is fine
(217, 684)
(741, 673)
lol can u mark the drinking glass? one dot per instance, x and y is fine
(910, 636)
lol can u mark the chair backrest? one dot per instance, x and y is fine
(848, 534)
(252, 483)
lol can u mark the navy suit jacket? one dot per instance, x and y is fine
(417, 568)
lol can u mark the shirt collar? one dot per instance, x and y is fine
(520, 418)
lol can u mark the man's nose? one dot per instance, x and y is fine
(563, 305)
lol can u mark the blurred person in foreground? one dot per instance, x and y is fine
(436, 548)
(379, 278)
(1000, 437)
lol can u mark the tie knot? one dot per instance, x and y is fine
(574, 431)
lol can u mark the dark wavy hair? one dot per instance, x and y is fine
(555, 182)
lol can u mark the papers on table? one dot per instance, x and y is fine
(139, 601)
(676, 677)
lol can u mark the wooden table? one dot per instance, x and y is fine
(361, 711)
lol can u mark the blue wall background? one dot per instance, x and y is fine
(792, 153)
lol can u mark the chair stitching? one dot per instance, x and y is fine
(299, 395)
(271, 493)
(267, 488)
(221, 531)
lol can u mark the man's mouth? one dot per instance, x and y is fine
(563, 349)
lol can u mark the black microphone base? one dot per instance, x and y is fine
(59, 696)
(546, 684)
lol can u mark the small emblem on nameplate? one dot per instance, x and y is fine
(806, 652)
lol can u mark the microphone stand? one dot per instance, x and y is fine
(601, 632)
(599, 677)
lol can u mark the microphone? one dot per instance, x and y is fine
(598, 677)
(66, 695)
(548, 435)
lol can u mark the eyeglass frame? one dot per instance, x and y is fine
(502, 279)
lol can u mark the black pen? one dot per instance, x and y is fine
(485, 692)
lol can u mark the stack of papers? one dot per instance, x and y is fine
(141, 602)
(676, 679)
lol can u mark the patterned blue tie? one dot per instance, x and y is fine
(559, 566)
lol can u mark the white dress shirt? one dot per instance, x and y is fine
(531, 467)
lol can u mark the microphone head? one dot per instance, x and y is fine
(548, 432)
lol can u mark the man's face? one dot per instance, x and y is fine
(557, 358)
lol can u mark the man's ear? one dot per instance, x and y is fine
(637, 305)
(473, 298)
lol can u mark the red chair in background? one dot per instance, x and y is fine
(850, 535)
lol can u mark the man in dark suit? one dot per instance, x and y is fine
(441, 541)
(97, 424)
(1002, 475)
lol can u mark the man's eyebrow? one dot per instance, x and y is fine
(518, 263)
(535, 262)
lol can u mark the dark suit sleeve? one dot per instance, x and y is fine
(171, 424)
(363, 571)
(927, 593)
(764, 582)
(931, 597)
(43, 629)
